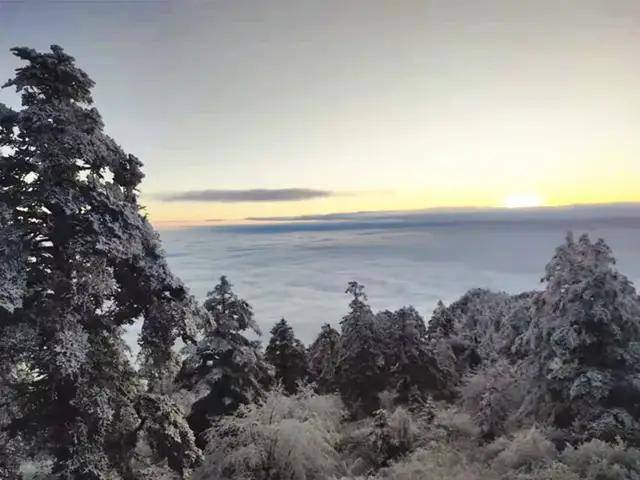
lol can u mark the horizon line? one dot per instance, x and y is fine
(339, 216)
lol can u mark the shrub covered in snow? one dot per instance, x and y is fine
(526, 451)
(598, 460)
(492, 395)
(280, 437)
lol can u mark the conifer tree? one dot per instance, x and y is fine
(288, 355)
(584, 343)
(224, 370)
(441, 324)
(411, 366)
(79, 263)
(361, 362)
(323, 358)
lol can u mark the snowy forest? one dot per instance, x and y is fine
(540, 385)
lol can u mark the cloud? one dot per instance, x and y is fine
(251, 195)
(300, 270)
(302, 276)
(304, 218)
(457, 214)
(571, 217)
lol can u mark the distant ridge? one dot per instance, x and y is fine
(570, 217)
(626, 208)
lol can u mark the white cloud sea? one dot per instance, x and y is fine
(299, 269)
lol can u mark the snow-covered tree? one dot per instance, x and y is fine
(487, 323)
(388, 438)
(323, 358)
(360, 368)
(584, 341)
(12, 263)
(11, 449)
(478, 330)
(410, 364)
(288, 355)
(227, 311)
(12, 284)
(225, 369)
(293, 437)
(83, 263)
(472, 325)
(441, 324)
(168, 433)
(492, 395)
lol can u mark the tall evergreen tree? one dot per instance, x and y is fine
(412, 368)
(479, 328)
(441, 324)
(225, 369)
(361, 362)
(83, 263)
(288, 355)
(584, 342)
(323, 358)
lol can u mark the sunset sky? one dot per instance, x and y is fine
(268, 108)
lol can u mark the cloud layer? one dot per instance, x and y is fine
(473, 214)
(251, 195)
(299, 270)
(576, 217)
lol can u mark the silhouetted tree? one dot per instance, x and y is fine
(411, 366)
(361, 362)
(287, 354)
(323, 358)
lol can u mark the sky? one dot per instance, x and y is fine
(253, 108)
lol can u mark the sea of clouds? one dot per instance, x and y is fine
(298, 268)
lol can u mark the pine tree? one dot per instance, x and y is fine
(584, 341)
(479, 329)
(361, 362)
(323, 358)
(288, 355)
(441, 324)
(225, 369)
(83, 264)
(449, 353)
(227, 311)
(382, 443)
(411, 365)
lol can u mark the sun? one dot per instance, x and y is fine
(523, 200)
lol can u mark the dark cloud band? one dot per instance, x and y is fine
(252, 195)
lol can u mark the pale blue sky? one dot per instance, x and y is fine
(390, 104)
